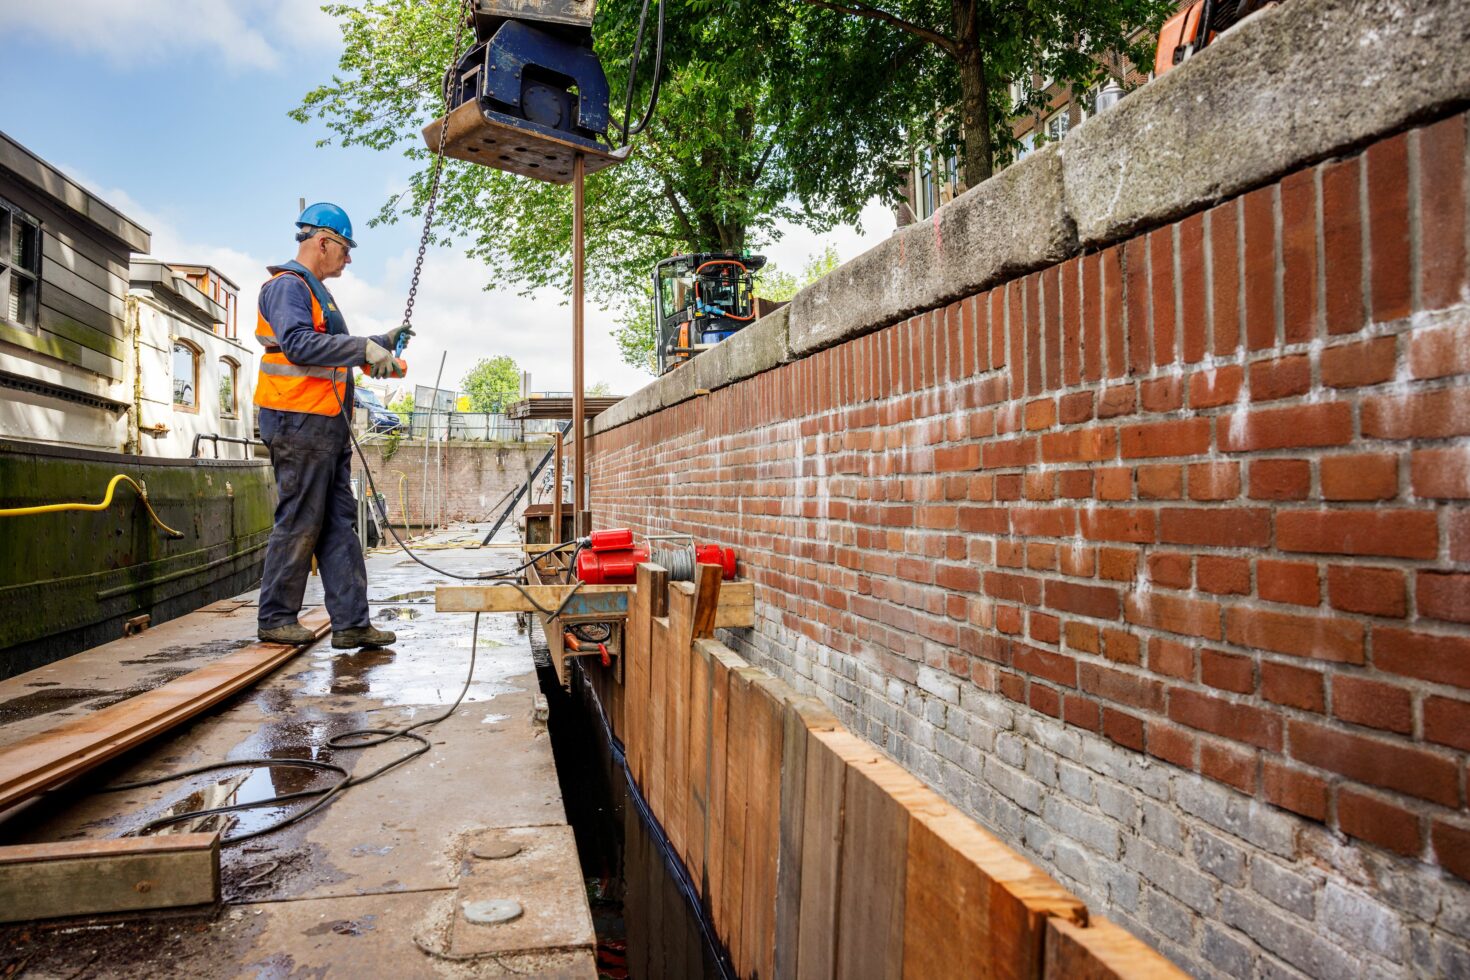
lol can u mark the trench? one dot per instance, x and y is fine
(648, 923)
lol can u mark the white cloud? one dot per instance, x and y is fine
(256, 34)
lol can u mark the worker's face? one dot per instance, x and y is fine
(335, 255)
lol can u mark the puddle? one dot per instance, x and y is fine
(246, 786)
(398, 612)
(44, 702)
(344, 927)
(492, 719)
(419, 595)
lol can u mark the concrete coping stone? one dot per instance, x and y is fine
(1291, 85)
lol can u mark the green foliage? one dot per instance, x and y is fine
(600, 390)
(776, 284)
(390, 443)
(403, 407)
(492, 384)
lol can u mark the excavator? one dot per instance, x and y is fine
(1193, 27)
(700, 300)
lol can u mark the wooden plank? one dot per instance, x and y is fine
(696, 816)
(49, 758)
(92, 877)
(676, 716)
(658, 743)
(722, 664)
(79, 333)
(737, 606)
(706, 599)
(53, 249)
(44, 342)
(57, 278)
(736, 602)
(766, 710)
(875, 836)
(737, 798)
(802, 715)
(1102, 950)
(635, 677)
(821, 854)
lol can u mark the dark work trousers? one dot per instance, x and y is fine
(315, 515)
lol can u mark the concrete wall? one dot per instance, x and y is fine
(470, 478)
(1137, 525)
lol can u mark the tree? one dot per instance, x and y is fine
(600, 390)
(778, 285)
(968, 52)
(403, 407)
(492, 384)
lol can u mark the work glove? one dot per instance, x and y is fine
(404, 331)
(382, 363)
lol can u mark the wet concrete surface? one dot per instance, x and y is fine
(354, 889)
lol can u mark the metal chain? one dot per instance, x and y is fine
(418, 265)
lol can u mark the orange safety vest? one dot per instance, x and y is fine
(295, 387)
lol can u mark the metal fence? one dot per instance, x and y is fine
(472, 426)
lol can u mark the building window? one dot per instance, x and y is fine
(186, 376)
(228, 373)
(20, 266)
(1056, 126)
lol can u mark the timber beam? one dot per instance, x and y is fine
(736, 607)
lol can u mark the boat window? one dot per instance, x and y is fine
(186, 375)
(228, 372)
(20, 266)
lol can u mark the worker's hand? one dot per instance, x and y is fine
(381, 362)
(402, 330)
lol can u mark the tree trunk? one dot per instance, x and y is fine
(974, 94)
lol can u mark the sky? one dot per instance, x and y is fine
(175, 114)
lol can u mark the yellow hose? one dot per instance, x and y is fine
(106, 503)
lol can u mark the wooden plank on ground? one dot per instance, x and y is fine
(802, 715)
(722, 664)
(766, 709)
(49, 758)
(1102, 950)
(92, 877)
(821, 852)
(875, 838)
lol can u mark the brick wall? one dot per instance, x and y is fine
(470, 478)
(1157, 560)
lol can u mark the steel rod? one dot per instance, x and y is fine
(580, 519)
(428, 434)
(556, 534)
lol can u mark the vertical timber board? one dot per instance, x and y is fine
(737, 760)
(676, 717)
(766, 708)
(1102, 950)
(636, 863)
(635, 675)
(656, 763)
(802, 715)
(821, 856)
(722, 665)
(870, 904)
(697, 815)
(975, 905)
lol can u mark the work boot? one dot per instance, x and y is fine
(293, 633)
(362, 636)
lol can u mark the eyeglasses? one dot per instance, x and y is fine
(334, 238)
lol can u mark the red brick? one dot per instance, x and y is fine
(1013, 588)
(1299, 256)
(1095, 601)
(1229, 766)
(956, 458)
(1388, 226)
(1193, 328)
(1378, 822)
(1171, 743)
(1070, 306)
(1123, 728)
(1228, 719)
(1442, 212)
(1055, 667)
(1170, 658)
(1318, 637)
(1115, 483)
(1451, 847)
(1438, 352)
(1121, 647)
(1294, 790)
(1083, 637)
(1324, 424)
(1213, 387)
(1295, 687)
(1427, 656)
(1174, 614)
(1092, 317)
(1447, 721)
(1161, 256)
(1044, 522)
(1042, 557)
(1342, 245)
(1393, 533)
(1443, 595)
(1366, 476)
(1076, 407)
(1225, 266)
(1008, 619)
(1043, 628)
(1170, 569)
(1280, 479)
(1389, 765)
(959, 578)
(1223, 576)
(1117, 564)
(1442, 474)
(1082, 712)
(1046, 700)
(1161, 482)
(1117, 400)
(1183, 437)
(1368, 362)
(1373, 704)
(1459, 535)
(1227, 671)
(1162, 394)
(1077, 560)
(1220, 527)
(1013, 686)
(1375, 591)
(1260, 268)
(1122, 687)
(1136, 298)
(1288, 581)
(1079, 445)
(1214, 481)
(1282, 378)
(1118, 524)
(1422, 415)
(1041, 413)
(1075, 484)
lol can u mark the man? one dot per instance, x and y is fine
(305, 394)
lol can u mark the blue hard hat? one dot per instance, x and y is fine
(327, 216)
